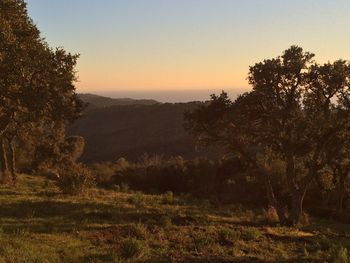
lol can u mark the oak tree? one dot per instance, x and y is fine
(294, 112)
(36, 81)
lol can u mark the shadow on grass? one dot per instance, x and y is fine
(59, 217)
(222, 260)
(9, 192)
(99, 258)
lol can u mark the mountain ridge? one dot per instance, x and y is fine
(96, 101)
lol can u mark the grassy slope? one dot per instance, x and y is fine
(38, 224)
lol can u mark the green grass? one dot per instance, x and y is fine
(39, 224)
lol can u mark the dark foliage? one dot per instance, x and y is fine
(225, 180)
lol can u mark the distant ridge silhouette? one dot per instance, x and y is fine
(97, 101)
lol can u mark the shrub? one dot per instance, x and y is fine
(151, 160)
(74, 179)
(251, 234)
(106, 172)
(199, 177)
(131, 249)
(122, 164)
(103, 172)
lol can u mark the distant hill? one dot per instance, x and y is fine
(132, 130)
(96, 101)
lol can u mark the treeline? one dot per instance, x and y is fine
(224, 181)
(228, 180)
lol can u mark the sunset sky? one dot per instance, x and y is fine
(187, 44)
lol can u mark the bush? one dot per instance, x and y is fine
(74, 179)
(131, 249)
(103, 172)
(122, 164)
(227, 180)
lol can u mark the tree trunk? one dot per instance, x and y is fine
(297, 207)
(12, 160)
(341, 192)
(280, 208)
(4, 124)
(3, 162)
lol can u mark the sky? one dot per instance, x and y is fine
(178, 45)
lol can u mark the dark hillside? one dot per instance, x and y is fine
(130, 131)
(96, 101)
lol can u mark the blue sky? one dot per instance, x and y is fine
(187, 44)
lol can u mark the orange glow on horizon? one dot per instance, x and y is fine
(151, 80)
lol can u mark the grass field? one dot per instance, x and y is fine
(38, 224)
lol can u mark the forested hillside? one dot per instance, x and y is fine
(130, 131)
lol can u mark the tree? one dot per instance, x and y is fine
(294, 112)
(338, 161)
(36, 82)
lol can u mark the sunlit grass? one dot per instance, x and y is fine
(39, 224)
